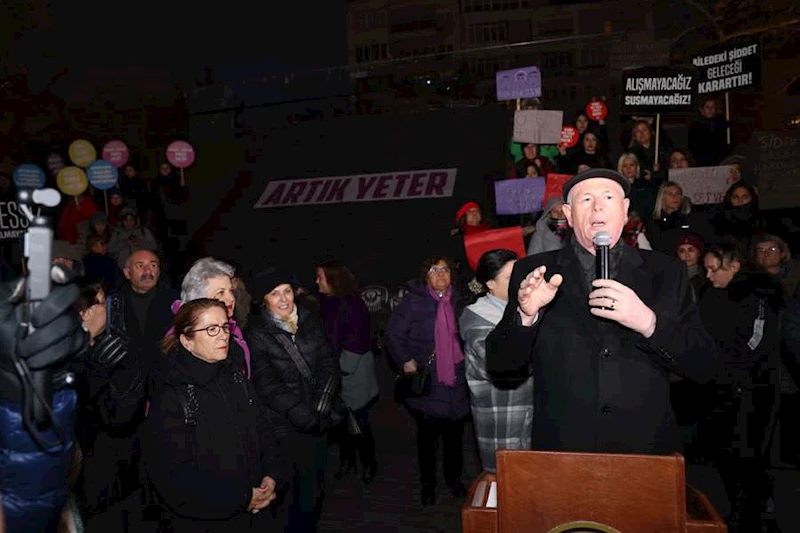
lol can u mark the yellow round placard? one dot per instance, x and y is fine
(72, 181)
(583, 527)
(82, 153)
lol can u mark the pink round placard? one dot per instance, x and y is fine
(116, 153)
(180, 154)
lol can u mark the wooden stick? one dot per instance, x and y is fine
(728, 116)
(658, 135)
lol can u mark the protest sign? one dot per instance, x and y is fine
(435, 183)
(554, 187)
(775, 157)
(519, 83)
(102, 175)
(29, 176)
(13, 222)
(569, 136)
(72, 181)
(729, 67)
(180, 154)
(538, 126)
(479, 243)
(597, 110)
(514, 197)
(702, 185)
(652, 90)
(116, 153)
(82, 153)
(55, 163)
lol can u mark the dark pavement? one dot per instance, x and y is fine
(391, 503)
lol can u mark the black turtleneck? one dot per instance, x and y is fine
(588, 261)
(141, 305)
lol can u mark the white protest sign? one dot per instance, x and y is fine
(538, 126)
(702, 185)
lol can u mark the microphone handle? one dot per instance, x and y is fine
(602, 262)
(602, 266)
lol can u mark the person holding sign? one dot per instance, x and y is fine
(613, 341)
(708, 135)
(532, 157)
(590, 153)
(644, 146)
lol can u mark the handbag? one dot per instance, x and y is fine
(330, 393)
(414, 385)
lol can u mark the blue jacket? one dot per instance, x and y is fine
(33, 482)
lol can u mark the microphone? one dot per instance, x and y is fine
(602, 240)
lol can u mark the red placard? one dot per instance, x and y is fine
(596, 110)
(569, 136)
(116, 153)
(554, 186)
(479, 243)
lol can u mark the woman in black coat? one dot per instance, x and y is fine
(112, 397)
(281, 333)
(740, 311)
(210, 455)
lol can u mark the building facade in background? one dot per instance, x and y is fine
(408, 55)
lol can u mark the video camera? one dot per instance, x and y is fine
(38, 384)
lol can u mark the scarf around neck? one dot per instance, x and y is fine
(288, 324)
(448, 348)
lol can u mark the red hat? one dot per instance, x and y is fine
(692, 239)
(462, 211)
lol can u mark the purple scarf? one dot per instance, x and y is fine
(448, 349)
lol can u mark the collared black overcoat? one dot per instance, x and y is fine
(598, 386)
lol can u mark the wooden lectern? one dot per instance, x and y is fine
(537, 492)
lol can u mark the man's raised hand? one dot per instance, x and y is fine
(535, 293)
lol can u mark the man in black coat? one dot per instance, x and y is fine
(601, 351)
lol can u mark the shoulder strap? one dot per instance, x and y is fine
(297, 357)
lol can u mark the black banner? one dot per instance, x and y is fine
(659, 90)
(775, 156)
(729, 67)
(13, 222)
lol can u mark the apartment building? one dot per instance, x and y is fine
(432, 46)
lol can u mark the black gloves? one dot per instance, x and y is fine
(59, 333)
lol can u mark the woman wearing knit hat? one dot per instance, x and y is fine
(690, 250)
(293, 369)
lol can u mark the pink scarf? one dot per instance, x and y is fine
(448, 348)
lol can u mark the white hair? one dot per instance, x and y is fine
(195, 284)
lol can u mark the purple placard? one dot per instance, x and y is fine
(523, 82)
(515, 197)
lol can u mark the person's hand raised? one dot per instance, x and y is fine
(535, 293)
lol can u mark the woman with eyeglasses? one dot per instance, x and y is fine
(210, 454)
(423, 332)
(111, 397)
(739, 308)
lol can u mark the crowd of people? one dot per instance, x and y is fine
(212, 408)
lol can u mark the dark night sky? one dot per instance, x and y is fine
(234, 37)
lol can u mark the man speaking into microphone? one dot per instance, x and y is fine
(600, 350)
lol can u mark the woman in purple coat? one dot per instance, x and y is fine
(423, 331)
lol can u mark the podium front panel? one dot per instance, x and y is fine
(539, 492)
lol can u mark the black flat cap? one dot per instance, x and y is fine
(597, 173)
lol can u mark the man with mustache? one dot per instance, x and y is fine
(142, 306)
